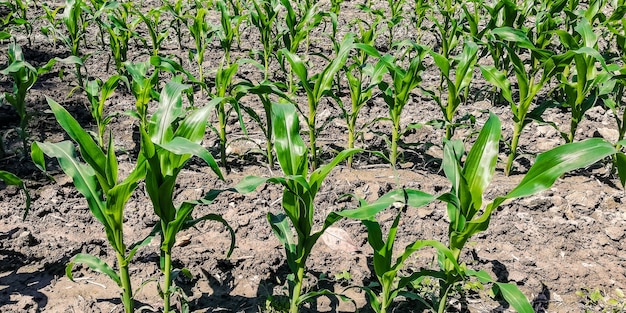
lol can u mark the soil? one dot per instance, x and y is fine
(561, 241)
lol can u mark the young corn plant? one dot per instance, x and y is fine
(581, 87)
(24, 77)
(76, 26)
(397, 95)
(362, 78)
(263, 17)
(395, 17)
(318, 85)
(263, 91)
(226, 33)
(97, 178)
(143, 87)
(168, 141)
(152, 20)
(298, 201)
(391, 283)
(98, 92)
(470, 215)
(543, 66)
(121, 29)
(202, 33)
(456, 83)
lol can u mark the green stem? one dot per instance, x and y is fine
(394, 141)
(127, 289)
(517, 130)
(350, 140)
(168, 281)
(221, 113)
(297, 289)
(312, 135)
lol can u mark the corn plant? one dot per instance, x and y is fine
(362, 78)
(76, 25)
(226, 33)
(96, 178)
(121, 29)
(581, 87)
(263, 91)
(395, 17)
(397, 94)
(263, 17)
(223, 85)
(51, 26)
(386, 269)
(448, 25)
(12, 179)
(98, 92)
(24, 77)
(467, 212)
(202, 33)
(298, 199)
(143, 87)
(179, 18)
(152, 20)
(168, 141)
(17, 16)
(457, 86)
(317, 86)
(543, 66)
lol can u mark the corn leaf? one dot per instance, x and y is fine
(93, 263)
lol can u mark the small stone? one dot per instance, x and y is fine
(368, 136)
(614, 232)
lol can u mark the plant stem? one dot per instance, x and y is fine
(127, 290)
(221, 115)
(517, 130)
(312, 135)
(393, 155)
(168, 281)
(297, 289)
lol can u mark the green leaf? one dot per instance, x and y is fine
(89, 149)
(499, 80)
(481, 161)
(620, 162)
(95, 264)
(169, 109)
(11, 179)
(515, 297)
(411, 197)
(290, 148)
(82, 174)
(551, 164)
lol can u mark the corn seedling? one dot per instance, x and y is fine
(143, 87)
(362, 78)
(456, 83)
(12, 179)
(179, 18)
(167, 142)
(390, 283)
(263, 91)
(202, 33)
(395, 17)
(76, 25)
(544, 65)
(98, 92)
(121, 29)
(318, 86)
(17, 16)
(469, 215)
(397, 94)
(263, 17)
(152, 20)
(226, 33)
(24, 76)
(298, 199)
(581, 89)
(97, 180)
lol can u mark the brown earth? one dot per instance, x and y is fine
(551, 245)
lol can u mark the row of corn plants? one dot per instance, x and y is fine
(565, 55)
(532, 55)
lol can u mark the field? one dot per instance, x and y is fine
(286, 156)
